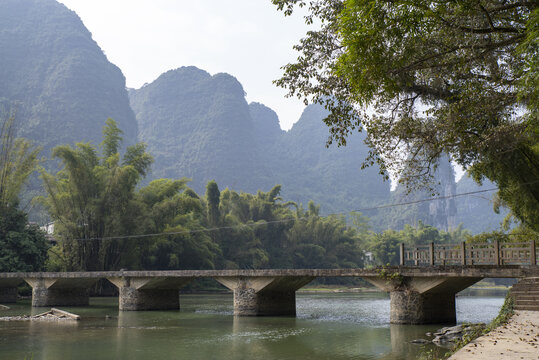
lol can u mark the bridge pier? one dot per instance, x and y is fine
(60, 291)
(147, 293)
(411, 307)
(264, 296)
(422, 300)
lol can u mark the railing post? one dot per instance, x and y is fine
(431, 251)
(402, 254)
(533, 256)
(443, 255)
(497, 252)
(463, 252)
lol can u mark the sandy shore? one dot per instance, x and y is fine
(518, 339)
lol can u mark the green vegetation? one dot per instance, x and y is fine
(430, 78)
(23, 247)
(385, 246)
(99, 213)
(18, 159)
(93, 197)
(103, 221)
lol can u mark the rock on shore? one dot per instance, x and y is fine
(455, 333)
(448, 336)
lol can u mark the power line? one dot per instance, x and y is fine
(423, 200)
(431, 199)
(282, 220)
(189, 231)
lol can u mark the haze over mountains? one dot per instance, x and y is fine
(200, 126)
(196, 125)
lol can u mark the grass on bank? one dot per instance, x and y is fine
(507, 310)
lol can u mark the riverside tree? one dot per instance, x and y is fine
(324, 242)
(176, 213)
(102, 221)
(93, 197)
(23, 246)
(427, 78)
(384, 246)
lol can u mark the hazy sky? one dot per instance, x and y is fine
(248, 39)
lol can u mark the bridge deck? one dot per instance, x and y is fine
(483, 271)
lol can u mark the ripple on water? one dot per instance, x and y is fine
(214, 312)
(350, 309)
(256, 335)
(477, 309)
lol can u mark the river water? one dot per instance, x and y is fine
(327, 326)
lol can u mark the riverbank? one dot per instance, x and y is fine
(517, 339)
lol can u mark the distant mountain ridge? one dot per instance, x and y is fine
(201, 126)
(56, 77)
(197, 125)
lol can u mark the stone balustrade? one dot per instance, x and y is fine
(494, 253)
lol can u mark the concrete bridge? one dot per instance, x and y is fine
(418, 294)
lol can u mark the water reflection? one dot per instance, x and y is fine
(256, 338)
(125, 337)
(336, 326)
(289, 338)
(402, 337)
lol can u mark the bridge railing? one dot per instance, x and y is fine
(494, 253)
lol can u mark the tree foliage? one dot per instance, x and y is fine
(265, 232)
(18, 158)
(93, 197)
(103, 221)
(23, 247)
(324, 242)
(426, 78)
(384, 246)
(178, 214)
